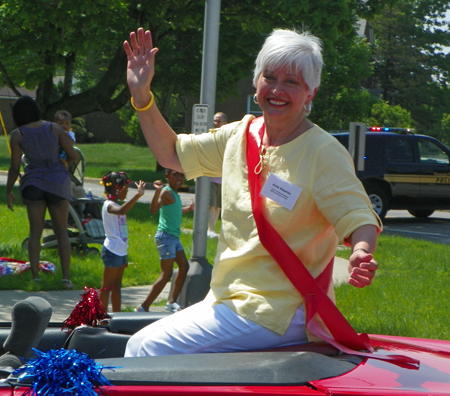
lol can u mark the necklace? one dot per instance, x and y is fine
(297, 131)
(264, 154)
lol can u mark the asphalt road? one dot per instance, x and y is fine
(436, 228)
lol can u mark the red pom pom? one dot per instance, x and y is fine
(88, 311)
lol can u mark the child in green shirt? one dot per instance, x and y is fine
(167, 201)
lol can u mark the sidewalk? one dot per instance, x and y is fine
(63, 302)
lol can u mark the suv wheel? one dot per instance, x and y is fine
(421, 213)
(379, 200)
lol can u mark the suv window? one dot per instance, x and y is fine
(431, 153)
(399, 150)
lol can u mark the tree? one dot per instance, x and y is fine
(443, 133)
(43, 39)
(411, 67)
(341, 99)
(383, 114)
(346, 56)
(81, 43)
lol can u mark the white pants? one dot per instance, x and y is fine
(202, 328)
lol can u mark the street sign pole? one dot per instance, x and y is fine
(199, 276)
(200, 124)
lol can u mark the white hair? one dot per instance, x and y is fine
(301, 52)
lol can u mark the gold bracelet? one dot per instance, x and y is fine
(152, 100)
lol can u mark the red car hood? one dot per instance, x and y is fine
(377, 377)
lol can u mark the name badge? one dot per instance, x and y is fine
(281, 191)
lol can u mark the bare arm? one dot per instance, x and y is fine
(362, 266)
(126, 206)
(161, 197)
(188, 208)
(159, 135)
(14, 169)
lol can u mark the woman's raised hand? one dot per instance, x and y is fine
(141, 65)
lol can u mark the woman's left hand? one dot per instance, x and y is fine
(362, 268)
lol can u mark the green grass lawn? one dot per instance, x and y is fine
(137, 162)
(409, 295)
(87, 271)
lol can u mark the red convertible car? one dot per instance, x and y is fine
(309, 369)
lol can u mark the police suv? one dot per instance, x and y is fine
(404, 171)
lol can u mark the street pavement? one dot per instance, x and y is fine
(63, 302)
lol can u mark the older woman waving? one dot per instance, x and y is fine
(284, 180)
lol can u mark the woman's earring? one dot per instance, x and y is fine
(255, 98)
(307, 107)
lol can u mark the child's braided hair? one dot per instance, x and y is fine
(113, 182)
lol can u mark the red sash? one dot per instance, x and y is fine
(343, 336)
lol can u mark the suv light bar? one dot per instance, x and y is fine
(404, 131)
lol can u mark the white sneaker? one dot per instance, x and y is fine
(174, 307)
(212, 234)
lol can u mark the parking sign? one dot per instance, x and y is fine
(200, 119)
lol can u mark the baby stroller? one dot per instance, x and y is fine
(85, 225)
(77, 168)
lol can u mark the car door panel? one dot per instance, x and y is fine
(434, 169)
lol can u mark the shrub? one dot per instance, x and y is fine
(81, 134)
(132, 127)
